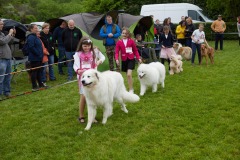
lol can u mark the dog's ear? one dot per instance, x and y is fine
(96, 74)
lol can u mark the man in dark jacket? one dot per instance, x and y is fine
(70, 37)
(110, 33)
(5, 61)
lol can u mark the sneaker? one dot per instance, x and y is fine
(35, 89)
(44, 85)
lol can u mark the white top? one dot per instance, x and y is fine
(125, 42)
(76, 65)
(198, 36)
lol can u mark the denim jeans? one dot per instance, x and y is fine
(5, 68)
(219, 37)
(51, 72)
(69, 56)
(189, 42)
(61, 55)
(194, 48)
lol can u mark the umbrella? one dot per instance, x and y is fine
(20, 28)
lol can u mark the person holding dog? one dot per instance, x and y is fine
(198, 37)
(166, 42)
(127, 48)
(219, 27)
(86, 57)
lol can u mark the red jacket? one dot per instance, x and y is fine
(121, 47)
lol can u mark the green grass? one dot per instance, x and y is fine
(196, 116)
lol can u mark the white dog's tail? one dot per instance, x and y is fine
(130, 97)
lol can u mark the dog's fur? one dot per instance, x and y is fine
(175, 64)
(185, 52)
(207, 52)
(151, 74)
(100, 89)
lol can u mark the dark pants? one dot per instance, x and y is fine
(36, 74)
(219, 37)
(189, 42)
(168, 60)
(194, 48)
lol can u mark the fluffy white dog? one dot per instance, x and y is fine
(100, 89)
(175, 64)
(151, 74)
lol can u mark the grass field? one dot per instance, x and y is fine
(196, 116)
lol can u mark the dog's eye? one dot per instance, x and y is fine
(88, 76)
(82, 76)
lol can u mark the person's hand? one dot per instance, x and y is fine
(14, 31)
(117, 62)
(163, 46)
(110, 35)
(140, 61)
(99, 62)
(10, 32)
(80, 71)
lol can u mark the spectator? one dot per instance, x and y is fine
(218, 26)
(198, 37)
(166, 43)
(172, 26)
(238, 27)
(180, 32)
(129, 51)
(35, 56)
(57, 36)
(86, 57)
(5, 61)
(145, 52)
(45, 57)
(48, 42)
(70, 37)
(110, 33)
(188, 32)
(158, 29)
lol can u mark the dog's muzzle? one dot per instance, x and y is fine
(141, 76)
(86, 84)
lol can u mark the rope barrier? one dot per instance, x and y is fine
(40, 89)
(30, 69)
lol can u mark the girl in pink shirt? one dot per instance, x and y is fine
(86, 57)
(126, 47)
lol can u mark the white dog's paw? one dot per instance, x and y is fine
(124, 109)
(142, 93)
(87, 128)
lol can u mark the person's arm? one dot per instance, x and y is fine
(102, 34)
(6, 39)
(193, 37)
(31, 44)
(99, 56)
(118, 32)
(76, 64)
(213, 26)
(178, 29)
(224, 26)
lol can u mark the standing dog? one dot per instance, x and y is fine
(151, 74)
(207, 52)
(100, 89)
(185, 52)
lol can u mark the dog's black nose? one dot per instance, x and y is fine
(83, 82)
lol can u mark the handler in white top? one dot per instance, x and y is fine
(198, 37)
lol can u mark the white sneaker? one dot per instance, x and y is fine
(131, 91)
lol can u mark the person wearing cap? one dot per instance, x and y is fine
(219, 27)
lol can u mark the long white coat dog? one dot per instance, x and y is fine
(100, 89)
(151, 74)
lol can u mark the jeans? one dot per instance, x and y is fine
(61, 55)
(69, 56)
(194, 48)
(5, 68)
(50, 62)
(189, 42)
(218, 37)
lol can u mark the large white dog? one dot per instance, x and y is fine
(100, 89)
(151, 74)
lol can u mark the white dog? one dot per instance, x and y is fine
(100, 89)
(175, 64)
(151, 74)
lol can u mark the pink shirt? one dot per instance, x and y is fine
(127, 52)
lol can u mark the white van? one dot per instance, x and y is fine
(39, 25)
(175, 11)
